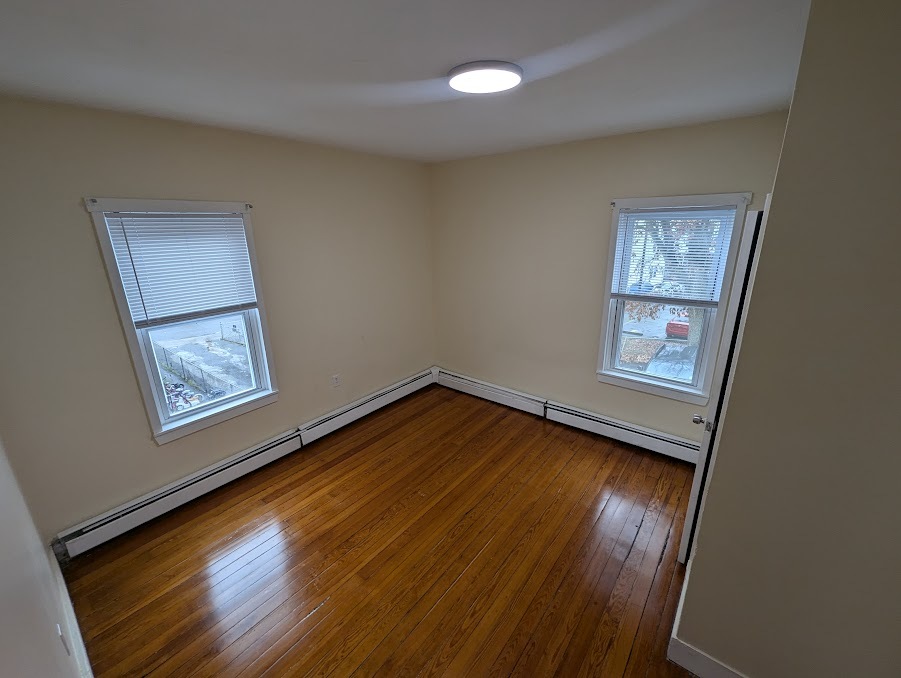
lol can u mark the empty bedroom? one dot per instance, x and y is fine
(395, 338)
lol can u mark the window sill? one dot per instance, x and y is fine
(654, 387)
(216, 415)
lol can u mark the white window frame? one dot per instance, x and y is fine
(167, 427)
(699, 393)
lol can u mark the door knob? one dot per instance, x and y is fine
(697, 419)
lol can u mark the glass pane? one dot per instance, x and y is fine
(660, 340)
(677, 253)
(203, 361)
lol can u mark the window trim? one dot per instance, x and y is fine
(256, 358)
(698, 394)
(164, 431)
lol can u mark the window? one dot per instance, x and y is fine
(184, 280)
(670, 265)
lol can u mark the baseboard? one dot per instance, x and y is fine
(343, 416)
(699, 663)
(498, 394)
(95, 531)
(72, 632)
(650, 439)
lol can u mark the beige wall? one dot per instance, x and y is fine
(798, 563)
(345, 259)
(521, 243)
(32, 601)
(516, 255)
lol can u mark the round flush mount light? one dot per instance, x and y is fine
(484, 77)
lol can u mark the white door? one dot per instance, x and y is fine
(745, 266)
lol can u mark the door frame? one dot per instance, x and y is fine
(730, 345)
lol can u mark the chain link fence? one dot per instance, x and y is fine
(233, 333)
(192, 374)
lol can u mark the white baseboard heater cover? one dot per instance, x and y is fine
(360, 408)
(95, 531)
(89, 534)
(664, 443)
(650, 439)
(497, 394)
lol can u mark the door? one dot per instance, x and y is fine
(745, 266)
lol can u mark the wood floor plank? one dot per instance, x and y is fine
(205, 545)
(304, 546)
(624, 637)
(442, 535)
(612, 588)
(551, 637)
(658, 664)
(429, 541)
(110, 558)
(458, 566)
(482, 647)
(424, 640)
(521, 563)
(441, 512)
(278, 636)
(469, 535)
(652, 614)
(454, 471)
(615, 633)
(316, 549)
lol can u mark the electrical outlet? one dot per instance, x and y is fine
(336, 380)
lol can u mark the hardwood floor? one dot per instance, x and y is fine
(441, 535)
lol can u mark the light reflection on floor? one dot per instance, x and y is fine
(611, 499)
(249, 559)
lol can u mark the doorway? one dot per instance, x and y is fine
(736, 311)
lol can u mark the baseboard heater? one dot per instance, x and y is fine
(650, 439)
(89, 534)
(672, 446)
(493, 392)
(360, 408)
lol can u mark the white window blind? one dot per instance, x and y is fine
(181, 265)
(672, 253)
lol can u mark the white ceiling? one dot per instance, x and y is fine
(368, 74)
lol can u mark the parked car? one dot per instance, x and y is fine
(677, 328)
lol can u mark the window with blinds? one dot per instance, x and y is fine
(670, 263)
(181, 265)
(676, 254)
(184, 280)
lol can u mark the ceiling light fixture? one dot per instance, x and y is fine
(484, 77)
